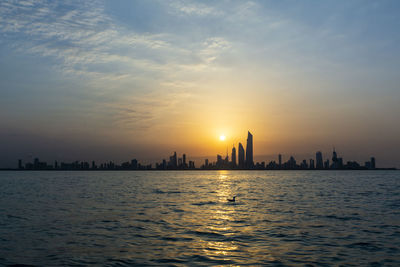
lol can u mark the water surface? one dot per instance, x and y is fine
(182, 218)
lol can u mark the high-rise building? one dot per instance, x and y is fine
(373, 163)
(368, 164)
(220, 161)
(334, 155)
(134, 164)
(191, 165)
(184, 161)
(319, 160)
(20, 164)
(241, 156)
(304, 165)
(340, 163)
(335, 164)
(327, 164)
(249, 151)
(280, 161)
(233, 156)
(180, 163)
(312, 164)
(292, 163)
(175, 160)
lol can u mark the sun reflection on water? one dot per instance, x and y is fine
(221, 221)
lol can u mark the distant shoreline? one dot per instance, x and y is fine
(89, 170)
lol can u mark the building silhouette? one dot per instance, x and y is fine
(319, 161)
(280, 161)
(134, 164)
(312, 164)
(249, 151)
(241, 156)
(233, 157)
(291, 164)
(336, 162)
(242, 160)
(184, 161)
(220, 162)
(373, 163)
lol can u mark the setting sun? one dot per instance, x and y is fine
(222, 138)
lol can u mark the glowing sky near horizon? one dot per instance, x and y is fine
(115, 80)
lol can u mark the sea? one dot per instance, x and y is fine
(183, 218)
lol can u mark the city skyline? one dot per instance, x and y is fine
(245, 162)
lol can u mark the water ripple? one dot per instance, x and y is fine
(347, 218)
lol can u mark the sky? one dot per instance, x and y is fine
(122, 79)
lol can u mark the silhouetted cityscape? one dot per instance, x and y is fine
(242, 161)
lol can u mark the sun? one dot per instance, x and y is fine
(222, 137)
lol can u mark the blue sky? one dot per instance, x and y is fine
(122, 78)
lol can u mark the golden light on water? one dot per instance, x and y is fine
(222, 217)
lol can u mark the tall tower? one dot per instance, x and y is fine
(373, 166)
(249, 151)
(241, 156)
(334, 159)
(233, 157)
(174, 161)
(319, 161)
(184, 161)
(334, 155)
(280, 161)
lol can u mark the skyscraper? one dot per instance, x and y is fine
(373, 163)
(134, 164)
(241, 156)
(233, 156)
(334, 155)
(220, 161)
(280, 161)
(174, 161)
(334, 159)
(249, 151)
(312, 164)
(319, 161)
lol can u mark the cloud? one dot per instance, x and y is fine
(190, 8)
(119, 67)
(75, 34)
(81, 40)
(80, 35)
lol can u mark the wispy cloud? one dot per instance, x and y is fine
(125, 67)
(190, 8)
(80, 35)
(80, 39)
(74, 33)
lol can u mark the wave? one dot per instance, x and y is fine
(159, 191)
(207, 234)
(204, 203)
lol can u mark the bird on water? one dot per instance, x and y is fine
(232, 200)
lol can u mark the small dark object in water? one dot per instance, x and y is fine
(231, 200)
